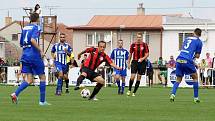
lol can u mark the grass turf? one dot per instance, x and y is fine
(150, 104)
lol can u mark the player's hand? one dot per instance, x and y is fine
(65, 49)
(119, 68)
(129, 65)
(141, 60)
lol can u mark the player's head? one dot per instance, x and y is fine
(62, 37)
(207, 55)
(85, 56)
(198, 32)
(34, 17)
(171, 57)
(120, 43)
(37, 6)
(139, 37)
(101, 46)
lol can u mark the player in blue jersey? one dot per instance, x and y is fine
(120, 57)
(32, 62)
(59, 53)
(191, 49)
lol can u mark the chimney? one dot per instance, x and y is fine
(140, 9)
(8, 19)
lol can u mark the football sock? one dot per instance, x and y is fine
(59, 84)
(196, 90)
(123, 87)
(67, 83)
(136, 86)
(96, 90)
(42, 91)
(21, 88)
(130, 84)
(175, 87)
(118, 84)
(80, 80)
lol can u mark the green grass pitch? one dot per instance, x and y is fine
(150, 104)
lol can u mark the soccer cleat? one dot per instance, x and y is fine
(14, 98)
(172, 98)
(76, 88)
(58, 93)
(67, 91)
(44, 103)
(128, 93)
(94, 99)
(196, 100)
(133, 95)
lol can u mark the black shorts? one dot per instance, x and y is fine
(90, 74)
(138, 67)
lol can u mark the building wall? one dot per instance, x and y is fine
(171, 43)
(80, 37)
(2, 50)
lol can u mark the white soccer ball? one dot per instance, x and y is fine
(85, 93)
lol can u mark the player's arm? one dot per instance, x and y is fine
(88, 50)
(34, 43)
(68, 50)
(130, 56)
(146, 53)
(110, 62)
(53, 52)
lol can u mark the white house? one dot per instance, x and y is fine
(175, 29)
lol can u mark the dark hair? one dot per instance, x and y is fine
(62, 34)
(35, 8)
(34, 17)
(120, 40)
(101, 42)
(198, 32)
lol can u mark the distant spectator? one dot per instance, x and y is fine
(209, 71)
(2, 61)
(163, 70)
(171, 63)
(213, 66)
(150, 72)
(203, 72)
(37, 9)
(16, 63)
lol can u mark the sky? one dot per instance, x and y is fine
(79, 12)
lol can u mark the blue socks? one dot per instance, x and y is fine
(123, 87)
(21, 88)
(42, 91)
(59, 85)
(175, 87)
(196, 89)
(119, 88)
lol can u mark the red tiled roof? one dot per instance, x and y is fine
(129, 22)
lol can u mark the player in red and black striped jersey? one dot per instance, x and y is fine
(139, 50)
(95, 58)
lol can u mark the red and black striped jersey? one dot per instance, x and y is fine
(138, 50)
(95, 58)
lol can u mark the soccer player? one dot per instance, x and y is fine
(191, 49)
(140, 52)
(59, 53)
(120, 57)
(95, 58)
(32, 62)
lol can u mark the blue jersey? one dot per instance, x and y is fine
(120, 55)
(190, 47)
(61, 55)
(30, 52)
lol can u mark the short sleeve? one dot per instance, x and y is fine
(199, 47)
(53, 49)
(112, 54)
(131, 48)
(107, 59)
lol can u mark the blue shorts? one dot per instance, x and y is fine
(122, 73)
(61, 67)
(33, 67)
(184, 67)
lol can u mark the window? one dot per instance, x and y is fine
(94, 38)
(90, 40)
(147, 38)
(15, 37)
(181, 37)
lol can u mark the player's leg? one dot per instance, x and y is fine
(134, 69)
(159, 77)
(195, 87)
(26, 68)
(141, 71)
(123, 74)
(117, 80)
(83, 75)
(179, 73)
(100, 83)
(43, 90)
(67, 82)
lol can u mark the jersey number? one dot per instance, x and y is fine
(187, 44)
(26, 37)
